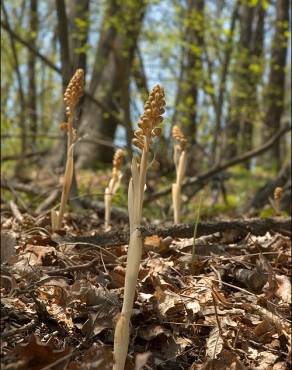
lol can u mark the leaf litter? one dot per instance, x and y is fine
(229, 308)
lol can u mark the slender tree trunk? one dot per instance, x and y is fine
(59, 153)
(66, 65)
(22, 121)
(79, 27)
(276, 86)
(110, 79)
(222, 86)
(239, 115)
(32, 94)
(191, 70)
(254, 78)
(68, 55)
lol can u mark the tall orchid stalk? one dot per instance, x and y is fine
(148, 129)
(73, 93)
(180, 161)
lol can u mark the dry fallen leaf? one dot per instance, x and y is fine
(214, 343)
(8, 243)
(141, 360)
(284, 288)
(36, 355)
(265, 327)
(150, 332)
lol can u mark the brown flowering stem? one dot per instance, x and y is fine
(71, 96)
(113, 186)
(180, 166)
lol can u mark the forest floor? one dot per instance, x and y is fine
(225, 307)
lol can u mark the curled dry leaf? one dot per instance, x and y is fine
(157, 244)
(284, 288)
(97, 304)
(150, 332)
(141, 360)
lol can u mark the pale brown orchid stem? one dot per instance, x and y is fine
(143, 166)
(74, 91)
(68, 176)
(180, 167)
(70, 130)
(113, 186)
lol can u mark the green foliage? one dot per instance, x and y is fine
(172, 53)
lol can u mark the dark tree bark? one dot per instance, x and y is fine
(254, 78)
(276, 86)
(239, 107)
(139, 75)
(32, 94)
(70, 58)
(66, 65)
(223, 79)
(110, 79)
(59, 153)
(191, 69)
(79, 26)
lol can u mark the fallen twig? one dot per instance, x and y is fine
(30, 326)
(201, 180)
(16, 157)
(15, 210)
(254, 226)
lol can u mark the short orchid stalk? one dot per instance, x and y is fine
(180, 161)
(113, 186)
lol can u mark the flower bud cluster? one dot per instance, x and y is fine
(117, 163)
(75, 89)
(179, 136)
(151, 118)
(278, 192)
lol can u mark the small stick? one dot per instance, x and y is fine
(15, 211)
(31, 325)
(84, 266)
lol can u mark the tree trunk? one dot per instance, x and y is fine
(239, 108)
(22, 102)
(255, 68)
(67, 55)
(276, 86)
(191, 70)
(79, 27)
(110, 79)
(32, 95)
(66, 65)
(222, 87)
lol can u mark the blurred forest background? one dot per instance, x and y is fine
(225, 66)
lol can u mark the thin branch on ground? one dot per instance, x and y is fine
(201, 180)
